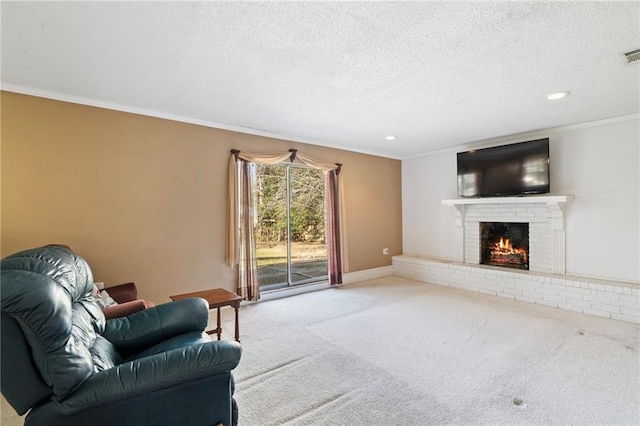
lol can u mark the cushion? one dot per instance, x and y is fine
(107, 300)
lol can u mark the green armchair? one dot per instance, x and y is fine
(66, 365)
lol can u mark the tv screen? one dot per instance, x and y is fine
(516, 169)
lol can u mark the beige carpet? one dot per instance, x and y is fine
(398, 352)
(395, 351)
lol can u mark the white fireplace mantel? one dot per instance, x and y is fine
(547, 199)
(545, 213)
(557, 201)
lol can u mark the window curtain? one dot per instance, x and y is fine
(333, 229)
(242, 216)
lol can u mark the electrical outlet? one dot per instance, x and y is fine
(385, 251)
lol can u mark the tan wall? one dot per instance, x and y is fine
(144, 199)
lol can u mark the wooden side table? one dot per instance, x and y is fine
(217, 298)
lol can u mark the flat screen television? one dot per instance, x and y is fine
(507, 170)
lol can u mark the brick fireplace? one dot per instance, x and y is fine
(546, 281)
(544, 216)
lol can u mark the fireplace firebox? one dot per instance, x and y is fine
(504, 244)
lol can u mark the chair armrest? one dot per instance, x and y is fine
(145, 328)
(124, 309)
(123, 293)
(154, 373)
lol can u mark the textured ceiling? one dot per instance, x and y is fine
(341, 74)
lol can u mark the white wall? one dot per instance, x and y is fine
(597, 163)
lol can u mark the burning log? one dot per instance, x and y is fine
(504, 252)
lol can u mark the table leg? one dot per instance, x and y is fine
(237, 326)
(219, 329)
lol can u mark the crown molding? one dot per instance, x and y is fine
(520, 137)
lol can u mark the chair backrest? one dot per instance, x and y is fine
(47, 292)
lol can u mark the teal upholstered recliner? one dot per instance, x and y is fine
(69, 366)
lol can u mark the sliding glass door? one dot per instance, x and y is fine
(290, 233)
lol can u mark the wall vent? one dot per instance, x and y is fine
(633, 56)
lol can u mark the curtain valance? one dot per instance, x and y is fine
(280, 157)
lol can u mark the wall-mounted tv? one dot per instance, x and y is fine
(506, 170)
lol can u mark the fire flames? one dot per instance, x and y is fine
(505, 248)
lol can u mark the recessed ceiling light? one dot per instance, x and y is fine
(557, 95)
(391, 137)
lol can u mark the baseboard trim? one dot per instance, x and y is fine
(367, 274)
